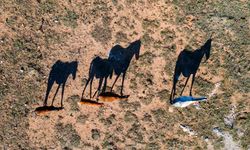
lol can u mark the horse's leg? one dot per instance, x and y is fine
(50, 84)
(100, 86)
(85, 87)
(115, 81)
(63, 86)
(173, 91)
(123, 78)
(90, 90)
(55, 94)
(190, 93)
(185, 85)
(95, 93)
(171, 94)
(105, 84)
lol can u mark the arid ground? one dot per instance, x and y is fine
(34, 34)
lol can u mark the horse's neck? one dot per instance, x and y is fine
(198, 54)
(70, 69)
(130, 54)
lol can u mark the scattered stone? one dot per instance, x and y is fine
(147, 117)
(82, 119)
(229, 143)
(230, 118)
(214, 91)
(188, 130)
(95, 134)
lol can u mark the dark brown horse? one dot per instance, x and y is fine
(121, 57)
(59, 73)
(187, 64)
(101, 69)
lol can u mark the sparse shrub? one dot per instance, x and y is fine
(102, 34)
(48, 6)
(152, 146)
(73, 102)
(163, 95)
(135, 133)
(70, 19)
(121, 37)
(130, 117)
(168, 36)
(132, 106)
(67, 135)
(150, 24)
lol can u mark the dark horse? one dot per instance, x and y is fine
(101, 69)
(59, 73)
(188, 63)
(121, 57)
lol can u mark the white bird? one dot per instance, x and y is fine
(184, 101)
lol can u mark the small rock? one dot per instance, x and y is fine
(22, 70)
(95, 134)
(188, 130)
(171, 109)
(230, 118)
(82, 119)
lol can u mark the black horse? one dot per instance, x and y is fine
(121, 57)
(188, 63)
(101, 69)
(59, 73)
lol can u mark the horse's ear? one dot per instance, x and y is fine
(207, 48)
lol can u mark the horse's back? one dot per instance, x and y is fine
(117, 57)
(187, 63)
(100, 68)
(117, 53)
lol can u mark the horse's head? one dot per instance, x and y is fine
(206, 48)
(135, 48)
(73, 66)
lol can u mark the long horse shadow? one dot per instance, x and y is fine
(120, 59)
(187, 64)
(59, 74)
(100, 69)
